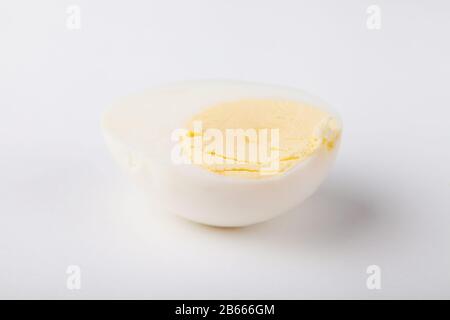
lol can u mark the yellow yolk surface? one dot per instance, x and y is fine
(257, 138)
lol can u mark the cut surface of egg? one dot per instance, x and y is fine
(224, 153)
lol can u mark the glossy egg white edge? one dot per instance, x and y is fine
(144, 151)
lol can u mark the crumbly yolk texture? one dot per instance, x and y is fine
(277, 134)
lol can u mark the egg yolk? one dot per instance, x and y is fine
(257, 138)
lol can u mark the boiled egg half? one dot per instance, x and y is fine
(224, 153)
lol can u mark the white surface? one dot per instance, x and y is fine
(63, 201)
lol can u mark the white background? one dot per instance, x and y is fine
(64, 202)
